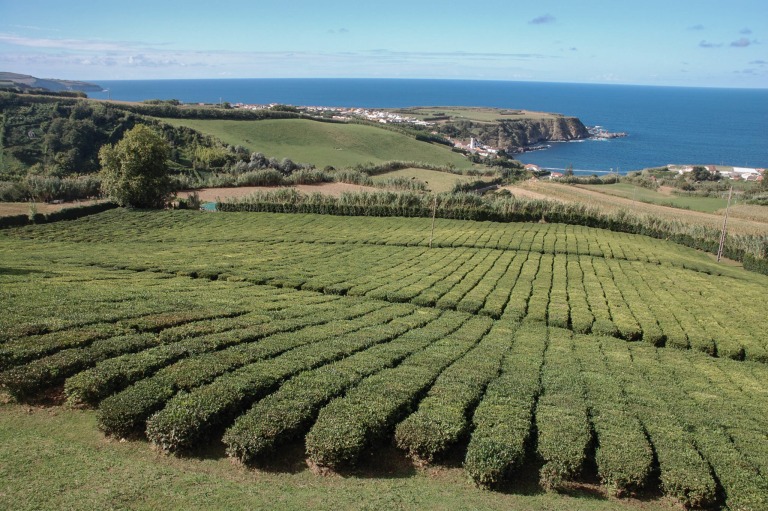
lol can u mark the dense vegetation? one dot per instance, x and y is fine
(49, 146)
(569, 351)
(752, 250)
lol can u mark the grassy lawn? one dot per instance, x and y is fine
(438, 182)
(55, 458)
(630, 191)
(322, 144)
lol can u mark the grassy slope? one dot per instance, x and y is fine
(749, 221)
(629, 191)
(437, 181)
(477, 114)
(56, 458)
(338, 145)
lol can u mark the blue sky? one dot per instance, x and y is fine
(714, 43)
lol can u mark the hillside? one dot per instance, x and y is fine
(567, 366)
(51, 84)
(511, 130)
(61, 137)
(322, 144)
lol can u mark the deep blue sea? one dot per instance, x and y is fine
(665, 124)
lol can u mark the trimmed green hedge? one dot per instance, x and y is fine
(442, 418)
(503, 419)
(290, 411)
(190, 417)
(56, 216)
(752, 250)
(125, 412)
(564, 431)
(348, 425)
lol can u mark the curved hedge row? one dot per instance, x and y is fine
(189, 417)
(503, 419)
(125, 412)
(289, 412)
(348, 425)
(63, 214)
(752, 250)
(442, 418)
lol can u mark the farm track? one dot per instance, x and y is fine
(575, 349)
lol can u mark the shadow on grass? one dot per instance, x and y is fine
(18, 272)
(381, 462)
(289, 458)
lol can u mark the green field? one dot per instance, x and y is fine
(322, 144)
(477, 114)
(558, 366)
(437, 182)
(630, 191)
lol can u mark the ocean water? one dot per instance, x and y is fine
(664, 124)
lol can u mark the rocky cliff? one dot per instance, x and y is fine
(517, 135)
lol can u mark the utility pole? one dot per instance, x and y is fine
(725, 224)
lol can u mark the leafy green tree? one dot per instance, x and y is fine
(135, 170)
(702, 174)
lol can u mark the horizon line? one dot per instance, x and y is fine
(692, 86)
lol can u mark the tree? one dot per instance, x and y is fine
(703, 174)
(135, 171)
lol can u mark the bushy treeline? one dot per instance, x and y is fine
(61, 137)
(56, 136)
(590, 180)
(750, 249)
(171, 111)
(63, 214)
(478, 185)
(260, 177)
(49, 188)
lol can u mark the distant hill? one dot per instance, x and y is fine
(52, 84)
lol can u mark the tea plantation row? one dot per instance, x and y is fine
(515, 345)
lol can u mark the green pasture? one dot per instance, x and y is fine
(323, 144)
(488, 366)
(630, 191)
(477, 114)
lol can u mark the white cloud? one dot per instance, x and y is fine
(78, 45)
